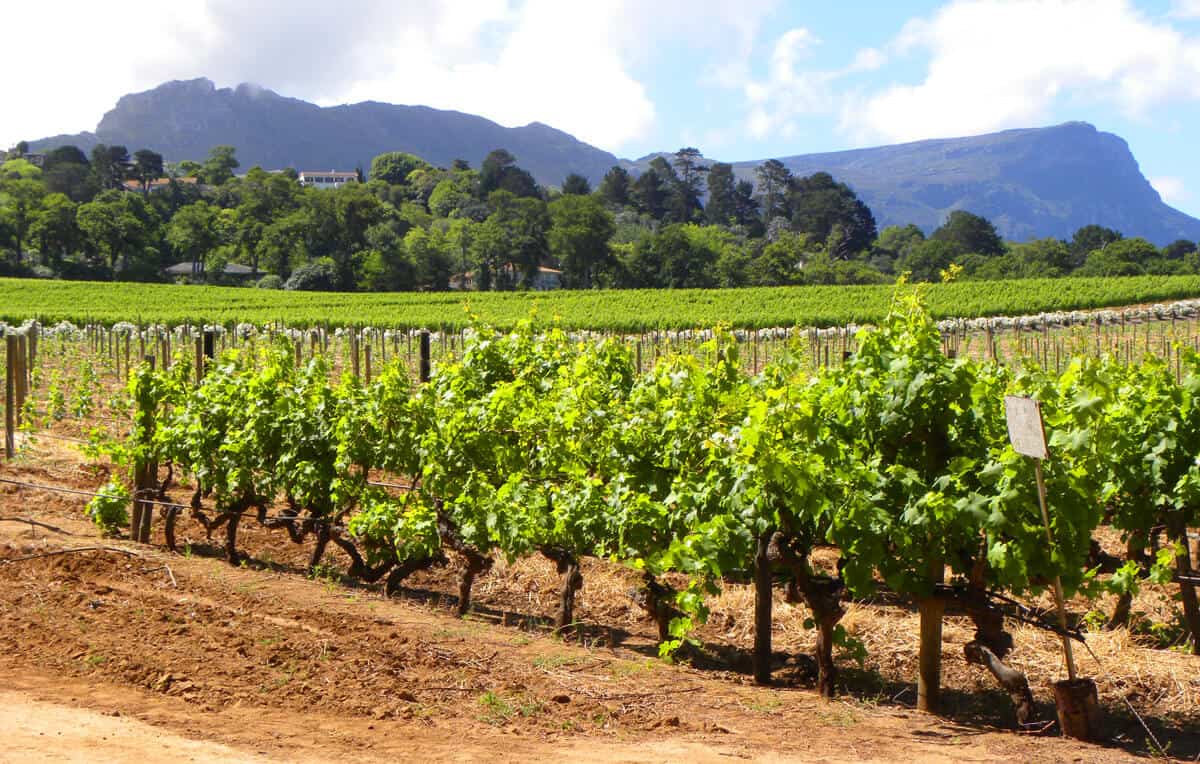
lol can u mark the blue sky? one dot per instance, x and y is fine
(746, 80)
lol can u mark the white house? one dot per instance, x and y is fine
(329, 179)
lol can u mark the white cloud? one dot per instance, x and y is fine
(1186, 9)
(1171, 189)
(570, 65)
(787, 92)
(1005, 63)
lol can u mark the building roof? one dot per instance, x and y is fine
(231, 269)
(157, 183)
(332, 173)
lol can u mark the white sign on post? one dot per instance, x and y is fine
(1025, 428)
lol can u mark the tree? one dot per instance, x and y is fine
(321, 275)
(192, 234)
(746, 208)
(522, 224)
(110, 165)
(616, 187)
(689, 185)
(1123, 257)
(120, 229)
(54, 229)
(356, 210)
(429, 251)
(394, 167)
(450, 196)
(219, 166)
(1088, 239)
(500, 172)
(580, 229)
(20, 200)
(67, 171)
(819, 205)
(387, 265)
(774, 180)
(970, 233)
(928, 259)
(147, 167)
(282, 243)
(722, 195)
(187, 168)
(576, 185)
(675, 257)
(1179, 249)
(783, 260)
(895, 243)
(649, 194)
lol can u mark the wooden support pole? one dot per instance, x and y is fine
(929, 677)
(199, 360)
(10, 396)
(34, 336)
(762, 611)
(22, 375)
(424, 368)
(1059, 605)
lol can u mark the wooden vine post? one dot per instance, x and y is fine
(762, 611)
(929, 673)
(22, 377)
(145, 479)
(1076, 698)
(10, 395)
(423, 373)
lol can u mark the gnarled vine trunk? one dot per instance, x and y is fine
(822, 595)
(657, 600)
(567, 565)
(474, 562)
(1135, 550)
(988, 649)
(1177, 532)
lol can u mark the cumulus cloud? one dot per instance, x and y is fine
(571, 65)
(1186, 9)
(788, 91)
(1171, 189)
(1003, 63)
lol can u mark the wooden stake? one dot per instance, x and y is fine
(931, 609)
(423, 372)
(10, 396)
(762, 612)
(1058, 592)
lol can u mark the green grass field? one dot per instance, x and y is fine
(629, 310)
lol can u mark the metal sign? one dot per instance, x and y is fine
(1025, 428)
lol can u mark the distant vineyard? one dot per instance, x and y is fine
(628, 310)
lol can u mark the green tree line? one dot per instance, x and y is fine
(681, 223)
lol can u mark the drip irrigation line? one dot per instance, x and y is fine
(51, 436)
(1100, 665)
(59, 552)
(380, 484)
(168, 504)
(31, 522)
(1018, 612)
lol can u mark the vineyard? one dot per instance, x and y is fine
(623, 310)
(840, 469)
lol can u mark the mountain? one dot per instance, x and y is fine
(184, 119)
(1031, 183)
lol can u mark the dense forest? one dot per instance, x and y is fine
(411, 226)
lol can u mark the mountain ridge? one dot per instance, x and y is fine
(1030, 182)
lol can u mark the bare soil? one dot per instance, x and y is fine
(130, 653)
